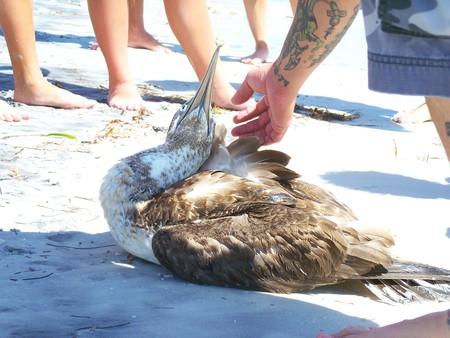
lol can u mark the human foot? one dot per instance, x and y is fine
(11, 114)
(221, 97)
(419, 114)
(258, 57)
(94, 46)
(125, 97)
(146, 41)
(44, 93)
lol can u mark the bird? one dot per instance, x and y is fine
(236, 216)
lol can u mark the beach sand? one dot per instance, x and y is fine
(62, 275)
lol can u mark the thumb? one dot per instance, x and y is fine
(243, 93)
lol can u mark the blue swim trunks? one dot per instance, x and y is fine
(408, 46)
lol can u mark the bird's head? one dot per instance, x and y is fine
(194, 121)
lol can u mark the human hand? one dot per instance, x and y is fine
(272, 115)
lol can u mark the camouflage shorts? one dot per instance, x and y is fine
(408, 46)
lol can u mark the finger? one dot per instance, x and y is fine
(252, 128)
(260, 135)
(249, 114)
(275, 136)
(245, 130)
(243, 93)
(272, 135)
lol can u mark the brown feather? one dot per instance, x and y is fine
(268, 233)
(241, 147)
(241, 218)
(273, 233)
(272, 156)
(298, 254)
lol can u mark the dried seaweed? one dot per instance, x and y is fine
(81, 248)
(325, 114)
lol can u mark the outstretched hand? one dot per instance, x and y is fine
(272, 115)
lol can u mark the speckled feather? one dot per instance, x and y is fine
(277, 234)
(135, 180)
(237, 216)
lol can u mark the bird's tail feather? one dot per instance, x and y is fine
(408, 270)
(405, 282)
(395, 291)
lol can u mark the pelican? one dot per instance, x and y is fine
(237, 216)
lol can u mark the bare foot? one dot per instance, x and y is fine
(222, 94)
(433, 325)
(44, 93)
(95, 46)
(416, 115)
(11, 114)
(146, 41)
(125, 97)
(259, 56)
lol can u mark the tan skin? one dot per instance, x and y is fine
(190, 23)
(138, 37)
(11, 114)
(30, 86)
(256, 15)
(189, 20)
(303, 51)
(270, 119)
(439, 108)
(281, 81)
(433, 325)
(111, 29)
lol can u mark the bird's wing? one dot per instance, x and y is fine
(314, 197)
(209, 194)
(273, 248)
(269, 167)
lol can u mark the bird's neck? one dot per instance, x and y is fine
(135, 180)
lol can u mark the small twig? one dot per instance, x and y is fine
(52, 208)
(395, 148)
(93, 328)
(77, 316)
(81, 248)
(85, 198)
(41, 277)
(92, 219)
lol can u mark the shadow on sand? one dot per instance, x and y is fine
(392, 184)
(85, 283)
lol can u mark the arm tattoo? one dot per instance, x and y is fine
(333, 43)
(303, 44)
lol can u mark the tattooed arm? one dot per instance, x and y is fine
(317, 28)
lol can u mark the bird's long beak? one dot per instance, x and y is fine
(202, 98)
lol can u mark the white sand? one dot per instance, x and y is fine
(62, 274)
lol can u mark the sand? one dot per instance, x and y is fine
(62, 275)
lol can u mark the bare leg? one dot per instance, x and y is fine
(433, 325)
(10, 114)
(138, 37)
(110, 23)
(256, 15)
(30, 87)
(440, 114)
(293, 4)
(189, 20)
